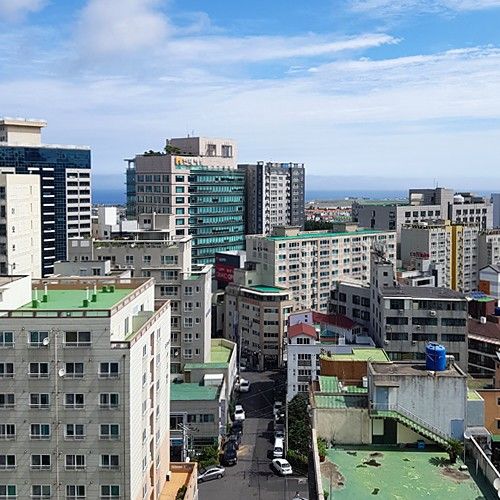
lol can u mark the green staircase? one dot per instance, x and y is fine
(412, 422)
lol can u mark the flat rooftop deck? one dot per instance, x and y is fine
(72, 299)
(396, 474)
(412, 368)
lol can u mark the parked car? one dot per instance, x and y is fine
(230, 456)
(278, 448)
(233, 438)
(244, 385)
(277, 408)
(237, 427)
(279, 433)
(282, 466)
(214, 472)
(239, 413)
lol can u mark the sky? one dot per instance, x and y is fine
(365, 92)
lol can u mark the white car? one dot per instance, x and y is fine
(282, 466)
(215, 472)
(277, 408)
(244, 385)
(239, 412)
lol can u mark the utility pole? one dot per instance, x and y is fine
(286, 425)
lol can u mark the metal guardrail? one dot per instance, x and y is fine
(411, 416)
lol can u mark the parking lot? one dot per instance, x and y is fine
(252, 477)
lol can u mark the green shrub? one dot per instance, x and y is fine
(298, 461)
(181, 493)
(322, 449)
(209, 456)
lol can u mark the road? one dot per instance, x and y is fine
(252, 478)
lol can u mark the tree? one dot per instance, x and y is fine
(172, 150)
(455, 449)
(209, 456)
(299, 425)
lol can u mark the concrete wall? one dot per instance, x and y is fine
(343, 426)
(475, 413)
(491, 409)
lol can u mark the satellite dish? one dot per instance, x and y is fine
(62, 372)
(46, 341)
(496, 484)
(468, 435)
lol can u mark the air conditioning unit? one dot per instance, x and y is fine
(386, 342)
(432, 313)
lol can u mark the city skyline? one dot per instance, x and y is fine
(349, 88)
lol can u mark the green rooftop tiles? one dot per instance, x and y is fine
(219, 353)
(267, 289)
(71, 299)
(192, 392)
(309, 235)
(328, 384)
(199, 366)
(330, 401)
(401, 475)
(362, 354)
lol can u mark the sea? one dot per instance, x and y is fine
(116, 196)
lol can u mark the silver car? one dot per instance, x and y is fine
(214, 472)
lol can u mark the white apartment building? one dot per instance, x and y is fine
(20, 225)
(186, 286)
(85, 388)
(274, 196)
(309, 263)
(488, 247)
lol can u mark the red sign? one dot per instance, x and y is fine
(224, 273)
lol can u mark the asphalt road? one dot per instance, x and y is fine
(253, 478)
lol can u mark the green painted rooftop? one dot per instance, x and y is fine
(339, 401)
(267, 289)
(396, 474)
(361, 354)
(219, 353)
(473, 395)
(306, 235)
(71, 299)
(192, 392)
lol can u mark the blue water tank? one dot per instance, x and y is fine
(435, 357)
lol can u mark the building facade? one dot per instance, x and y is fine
(20, 225)
(425, 205)
(274, 196)
(309, 263)
(198, 182)
(85, 388)
(65, 185)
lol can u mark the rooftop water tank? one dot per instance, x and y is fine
(458, 198)
(435, 357)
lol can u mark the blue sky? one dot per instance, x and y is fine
(369, 91)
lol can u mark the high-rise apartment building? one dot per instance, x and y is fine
(495, 200)
(425, 205)
(308, 263)
(453, 248)
(85, 388)
(154, 253)
(274, 196)
(20, 233)
(488, 248)
(65, 192)
(198, 182)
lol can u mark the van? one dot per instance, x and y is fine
(278, 448)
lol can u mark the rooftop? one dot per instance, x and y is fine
(322, 401)
(183, 391)
(302, 329)
(72, 299)
(412, 368)
(361, 354)
(489, 329)
(332, 384)
(422, 292)
(219, 353)
(473, 395)
(267, 289)
(182, 474)
(361, 473)
(308, 235)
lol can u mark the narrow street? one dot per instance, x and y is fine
(253, 477)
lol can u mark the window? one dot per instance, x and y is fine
(77, 339)
(75, 462)
(109, 370)
(6, 370)
(453, 322)
(6, 339)
(7, 431)
(75, 492)
(7, 400)
(110, 491)
(396, 320)
(39, 491)
(74, 431)
(109, 399)
(129, 259)
(40, 400)
(40, 431)
(109, 462)
(8, 491)
(35, 339)
(74, 370)
(188, 290)
(7, 462)
(40, 462)
(38, 370)
(425, 321)
(74, 400)
(188, 322)
(109, 431)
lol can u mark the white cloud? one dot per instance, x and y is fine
(114, 27)
(13, 10)
(388, 7)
